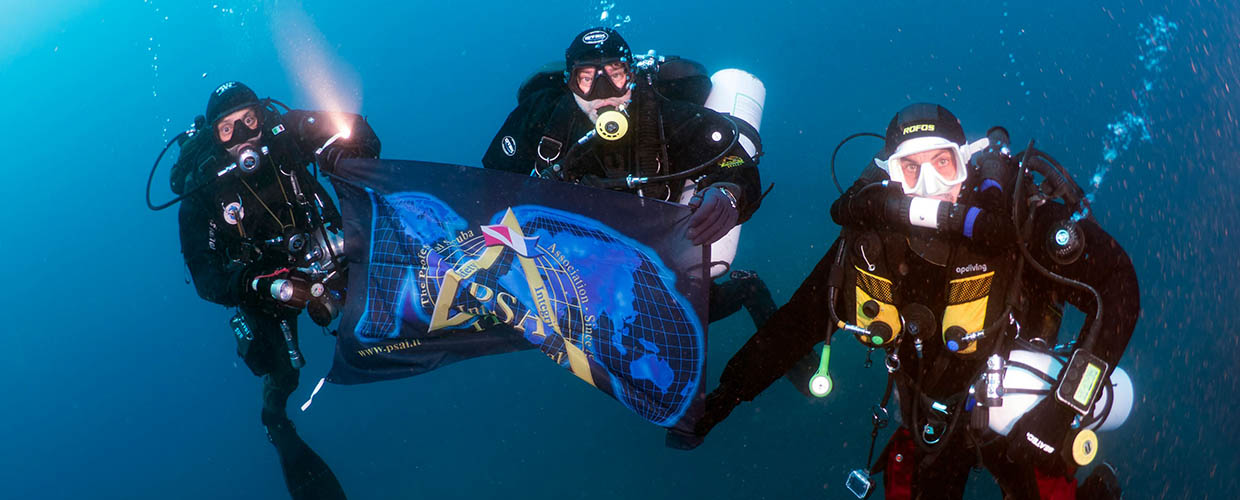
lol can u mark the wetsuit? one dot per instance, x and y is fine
(542, 129)
(225, 250)
(548, 123)
(913, 467)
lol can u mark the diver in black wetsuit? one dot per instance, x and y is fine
(662, 144)
(955, 269)
(261, 234)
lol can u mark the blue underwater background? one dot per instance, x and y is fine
(117, 381)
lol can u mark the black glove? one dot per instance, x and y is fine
(714, 214)
(867, 207)
(340, 150)
(998, 173)
(1042, 436)
(718, 407)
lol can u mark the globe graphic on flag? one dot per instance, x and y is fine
(599, 304)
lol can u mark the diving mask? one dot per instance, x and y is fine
(599, 76)
(240, 130)
(935, 177)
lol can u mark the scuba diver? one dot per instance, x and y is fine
(958, 271)
(259, 233)
(645, 125)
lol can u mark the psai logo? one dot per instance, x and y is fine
(504, 276)
(595, 37)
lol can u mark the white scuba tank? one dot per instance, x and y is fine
(1002, 418)
(741, 95)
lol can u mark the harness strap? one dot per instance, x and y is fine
(556, 134)
(879, 422)
(748, 131)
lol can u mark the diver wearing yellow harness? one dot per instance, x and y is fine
(958, 271)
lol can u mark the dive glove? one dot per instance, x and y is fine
(1041, 436)
(998, 175)
(867, 206)
(718, 406)
(332, 154)
(714, 214)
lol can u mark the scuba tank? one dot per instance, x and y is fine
(741, 96)
(1010, 383)
(1028, 378)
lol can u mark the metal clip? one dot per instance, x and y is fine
(880, 416)
(892, 362)
(866, 259)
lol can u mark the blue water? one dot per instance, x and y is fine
(117, 381)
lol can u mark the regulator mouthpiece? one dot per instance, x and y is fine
(248, 161)
(820, 384)
(612, 124)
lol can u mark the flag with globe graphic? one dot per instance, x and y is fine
(448, 263)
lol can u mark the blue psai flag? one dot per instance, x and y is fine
(448, 263)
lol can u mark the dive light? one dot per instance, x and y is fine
(287, 292)
(820, 384)
(291, 292)
(294, 354)
(344, 133)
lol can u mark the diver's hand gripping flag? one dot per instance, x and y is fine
(449, 263)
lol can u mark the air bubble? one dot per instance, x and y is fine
(1134, 126)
